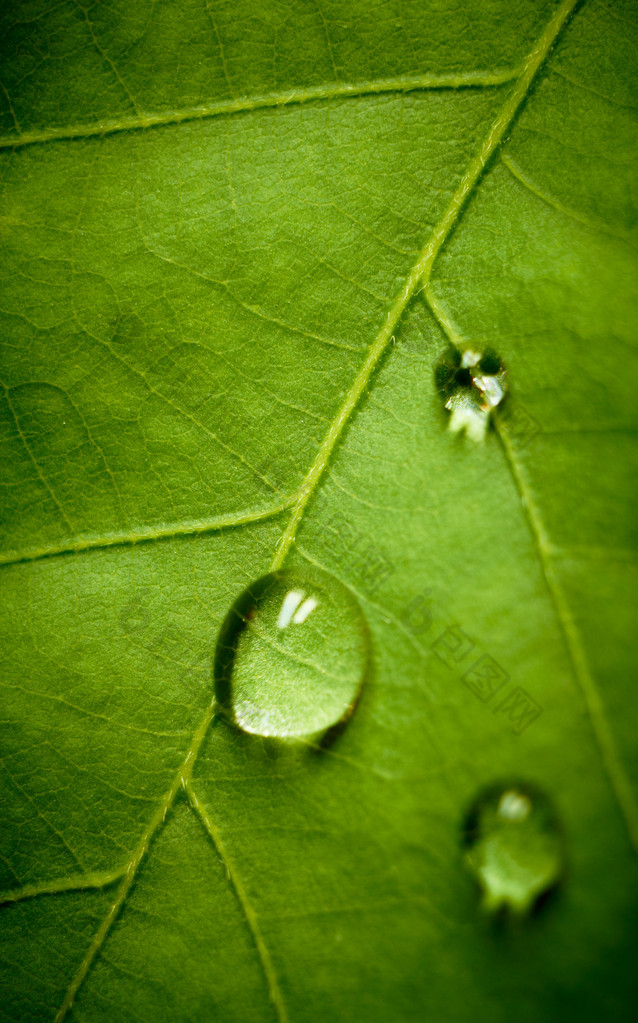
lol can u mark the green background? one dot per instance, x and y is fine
(207, 209)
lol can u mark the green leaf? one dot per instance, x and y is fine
(238, 239)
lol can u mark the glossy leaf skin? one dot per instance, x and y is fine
(237, 241)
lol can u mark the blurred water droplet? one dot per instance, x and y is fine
(292, 655)
(471, 385)
(514, 847)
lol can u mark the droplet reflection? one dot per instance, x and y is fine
(292, 655)
(471, 386)
(514, 847)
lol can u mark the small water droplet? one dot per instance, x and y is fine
(471, 385)
(292, 655)
(514, 847)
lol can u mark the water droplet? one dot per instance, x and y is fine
(514, 847)
(471, 385)
(292, 655)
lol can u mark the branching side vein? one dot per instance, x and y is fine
(418, 277)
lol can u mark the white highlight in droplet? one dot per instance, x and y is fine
(306, 608)
(470, 358)
(291, 602)
(471, 419)
(514, 806)
(492, 390)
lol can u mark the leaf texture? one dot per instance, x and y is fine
(237, 240)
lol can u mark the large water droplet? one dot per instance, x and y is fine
(292, 655)
(514, 846)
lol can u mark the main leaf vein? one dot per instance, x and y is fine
(417, 278)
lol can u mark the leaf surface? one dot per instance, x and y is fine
(237, 240)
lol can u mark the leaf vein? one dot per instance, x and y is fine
(417, 277)
(246, 104)
(249, 913)
(420, 273)
(612, 762)
(180, 781)
(34, 461)
(64, 884)
(549, 200)
(79, 545)
(610, 756)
